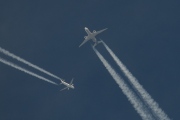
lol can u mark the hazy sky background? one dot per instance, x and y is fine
(143, 34)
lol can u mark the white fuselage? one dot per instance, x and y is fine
(67, 85)
(90, 35)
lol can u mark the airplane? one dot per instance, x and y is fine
(68, 85)
(92, 36)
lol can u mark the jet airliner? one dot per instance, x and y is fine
(68, 85)
(91, 36)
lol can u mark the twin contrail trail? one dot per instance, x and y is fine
(24, 70)
(157, 111)
(137, 104)
(134, 100)
(27, 63)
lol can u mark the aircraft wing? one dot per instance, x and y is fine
(100, 31)
(64, 88)
(71, 81)
(83, 42)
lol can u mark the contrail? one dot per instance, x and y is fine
(24, 70)
(27, 63)
(157, 111)
(137, 104)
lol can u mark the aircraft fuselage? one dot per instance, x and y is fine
(67, 85)
(90, 35)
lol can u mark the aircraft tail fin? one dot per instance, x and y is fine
(96, 43)
(100, 41)
(61, 82)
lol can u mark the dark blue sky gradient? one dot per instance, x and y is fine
(143, 34)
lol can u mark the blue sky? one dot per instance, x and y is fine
(143, 34)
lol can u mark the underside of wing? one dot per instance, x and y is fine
(100, 31)
(71, 81)
(83, 42)
(64, 88)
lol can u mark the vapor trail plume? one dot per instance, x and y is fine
(157, 111)
(27, 63)
(137, 104)
(24, 70)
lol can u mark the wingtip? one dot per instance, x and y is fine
(80, 45)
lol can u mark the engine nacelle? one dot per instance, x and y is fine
(85, 37)
(94, 31)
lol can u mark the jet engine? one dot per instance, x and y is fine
(85, 37)
(94, 31)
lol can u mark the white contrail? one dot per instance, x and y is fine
(27, 63)
(24, 70)
(137, 104)
(157, 111)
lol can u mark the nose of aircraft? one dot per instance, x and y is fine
(85, 28)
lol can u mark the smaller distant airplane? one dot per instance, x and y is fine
(92, 36)
(68, 85)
